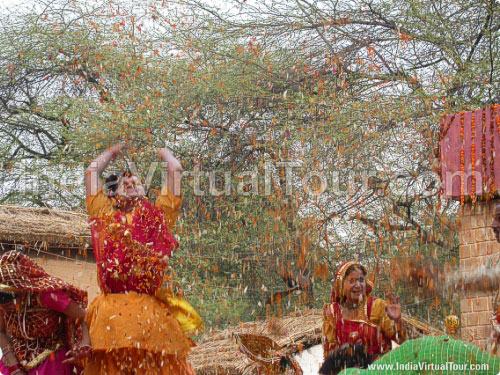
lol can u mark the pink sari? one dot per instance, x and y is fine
(57, 301)
(51, 366)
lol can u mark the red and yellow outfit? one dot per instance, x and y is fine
(372, 325)
(136, 327)
(39, 333)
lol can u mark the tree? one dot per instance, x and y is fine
(279, 96)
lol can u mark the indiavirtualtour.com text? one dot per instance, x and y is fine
(426, 366)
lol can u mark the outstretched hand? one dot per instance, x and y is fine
(495, 329)
(393, 308)
(76, 356)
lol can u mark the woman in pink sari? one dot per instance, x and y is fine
(41, 320)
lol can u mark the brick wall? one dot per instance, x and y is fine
(477, 244)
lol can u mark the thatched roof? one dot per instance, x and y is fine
(43, 227)
(217, 353)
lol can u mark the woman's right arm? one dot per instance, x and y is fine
(328, 331)
(8, 357)
(97, 166)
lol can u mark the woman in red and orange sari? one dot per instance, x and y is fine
(353, 316)
(41, 320)
(136, 325)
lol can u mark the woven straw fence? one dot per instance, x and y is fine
(217, 353)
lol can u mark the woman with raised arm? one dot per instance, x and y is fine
(41, 320)
(136, 326)
(355, 322)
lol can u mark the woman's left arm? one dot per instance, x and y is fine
(76, 312)
(174, 171)
(393, 307)
(381, 315)
(393, 311)
(61, 302)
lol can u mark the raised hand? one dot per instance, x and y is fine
(119, 147)
(393, 308)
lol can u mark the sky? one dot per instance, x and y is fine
(8, 3)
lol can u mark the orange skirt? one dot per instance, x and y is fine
(135, 334)
(136, 362)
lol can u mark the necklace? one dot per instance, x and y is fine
(351, 306)
(22, 325)
(353, 311)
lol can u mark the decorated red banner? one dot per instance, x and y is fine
(469, 154)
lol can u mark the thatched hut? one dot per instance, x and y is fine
(58, 240)
(217, 353)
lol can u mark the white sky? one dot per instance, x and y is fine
(8, 3)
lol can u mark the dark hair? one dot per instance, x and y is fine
(6, 297)
(111, 183)
(349, 355)
(284, 363)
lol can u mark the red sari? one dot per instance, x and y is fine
(351, 331)
(131, 249)
(40, 334)
(372, 326)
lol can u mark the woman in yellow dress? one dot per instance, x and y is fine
(136, 325)
(354, 317)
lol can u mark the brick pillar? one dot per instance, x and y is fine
(477, 244)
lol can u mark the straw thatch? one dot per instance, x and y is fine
(217, 353)
(43, 227)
